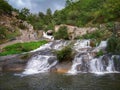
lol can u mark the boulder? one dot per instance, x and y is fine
(49, 32)
(13, 63)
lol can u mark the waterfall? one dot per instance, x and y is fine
(85, 59)
(39, 64)
(86, 62)
(43, 59)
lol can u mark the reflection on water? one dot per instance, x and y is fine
(54, 81)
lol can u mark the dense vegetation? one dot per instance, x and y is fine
(113, 45)
(87, 12)
(5, 8)
(62, 33)
(76, 12)
(21, 47)
(7, 34)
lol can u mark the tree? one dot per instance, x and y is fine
(24, 13)
(5, 8)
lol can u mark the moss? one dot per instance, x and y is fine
(21, 47)
(25, 56)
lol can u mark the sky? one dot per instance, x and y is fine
(36, 6)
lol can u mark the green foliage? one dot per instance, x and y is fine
(22, 26)
(97, 35)
(21, 47)
(93, 35)
(113, 45)
(24, 13)
(61, 33)
(65, 54)
(6, 34)
(85, 12)
(5, 8)
(100, 53)
(3, 31)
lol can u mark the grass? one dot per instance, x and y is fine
(21, 47)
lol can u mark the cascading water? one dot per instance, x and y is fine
(44, 59)
(85, 60)
(41, 63)
(88, 62)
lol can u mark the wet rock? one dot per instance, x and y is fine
(0, 69)
(44, 52)
(63, 67)
(12, 63)
(105, 61)
(62, 70)
(53, 69)
(52, 60)
(13, 68)
(50, 32)
(116, 61)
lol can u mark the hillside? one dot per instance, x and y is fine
(80, 19)
(89, 12)
(12, 28)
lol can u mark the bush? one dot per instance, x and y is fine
(100, 53)
(21, 26)
(93, 35)
(113, 45)
(65, 54)
(61, 33)
(5, 8)
(3, 31)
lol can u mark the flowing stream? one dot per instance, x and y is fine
(79, 76)
(85, 60)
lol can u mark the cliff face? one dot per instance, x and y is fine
(12, 29)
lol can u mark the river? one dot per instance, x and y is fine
(56, 81)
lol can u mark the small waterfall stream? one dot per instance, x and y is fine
(44, 59)
(84, 61)
(87, 62)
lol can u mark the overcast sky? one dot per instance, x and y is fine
(36, 6)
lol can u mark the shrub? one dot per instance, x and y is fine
(65, 54)
(5, 8)
(113, 45)
(3, 31)
(21, 26)
(61, 33)
(100, 53)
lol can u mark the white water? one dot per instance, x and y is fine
(44, 60)
(82, 45)
(88, 63)
(39, 64)
(84, 61)
(48, 36)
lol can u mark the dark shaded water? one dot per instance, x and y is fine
(53, 81)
